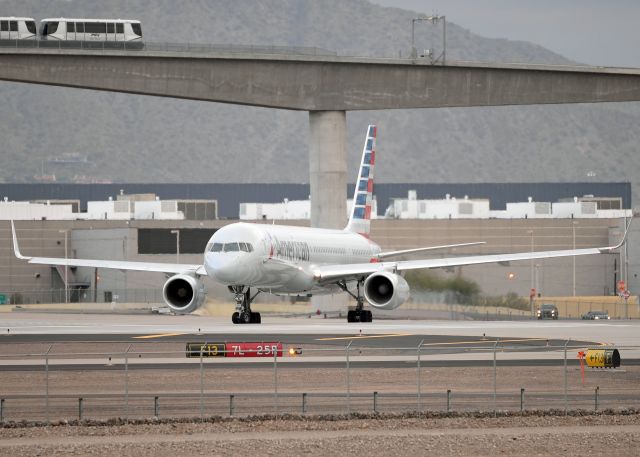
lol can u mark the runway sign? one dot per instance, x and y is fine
(603, 358)
(254, 350)
(234, 349)
(208, 349)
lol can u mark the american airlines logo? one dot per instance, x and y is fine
(291, 250)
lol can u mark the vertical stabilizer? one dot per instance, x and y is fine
(360, 219)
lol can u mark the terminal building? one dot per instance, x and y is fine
(145, 228)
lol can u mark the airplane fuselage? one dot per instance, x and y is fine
(281, 259)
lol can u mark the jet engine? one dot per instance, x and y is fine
(183, 293)
(386, 290)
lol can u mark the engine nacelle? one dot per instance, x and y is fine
(183, 293)
(386, 290)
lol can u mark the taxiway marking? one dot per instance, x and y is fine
(362, 337)
(160, 335)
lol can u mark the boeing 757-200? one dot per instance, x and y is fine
(285, 260)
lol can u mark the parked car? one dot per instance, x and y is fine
(548, 311)
(592, 315)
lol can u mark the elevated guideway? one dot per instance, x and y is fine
(327, 86)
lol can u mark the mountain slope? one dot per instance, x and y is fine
(145, 139)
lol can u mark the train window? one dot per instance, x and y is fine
(71, 27)
(137, 29)
(119, 28)
(110, 27)
(80, 27)
(4, 26)
(94, 27)
(49, 28)
(13, 26)
(31, 27)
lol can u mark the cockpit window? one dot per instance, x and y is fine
(231, 247)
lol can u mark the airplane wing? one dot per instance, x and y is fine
(330, 273)
(384, 255)
(112, 264)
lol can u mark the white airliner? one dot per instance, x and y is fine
(286, 260)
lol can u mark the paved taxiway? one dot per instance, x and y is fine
(444, 343)
(45, 327)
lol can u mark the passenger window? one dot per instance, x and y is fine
(217, 247)
(80, 27)
(4, 26)
(71, 27)
(110, 27)
(119, 28)
(13, 26)
(231, 247)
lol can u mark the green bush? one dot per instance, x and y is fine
(426, 280)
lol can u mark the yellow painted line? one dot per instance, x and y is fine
(362, 337)
(144, 337)
(485, 341)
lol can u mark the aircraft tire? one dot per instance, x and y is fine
(235, 318)
(351, 316)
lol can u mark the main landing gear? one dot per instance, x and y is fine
(359, 314)
(243, 314)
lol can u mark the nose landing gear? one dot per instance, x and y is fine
(243, 314)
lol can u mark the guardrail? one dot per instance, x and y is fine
(146, 380)
(164, 47)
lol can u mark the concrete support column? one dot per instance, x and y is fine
(328, 168)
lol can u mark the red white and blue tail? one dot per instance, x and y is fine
(360, 219)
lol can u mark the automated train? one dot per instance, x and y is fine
(70, 29)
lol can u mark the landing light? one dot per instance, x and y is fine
(293, 351)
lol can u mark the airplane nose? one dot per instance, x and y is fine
(222, 267)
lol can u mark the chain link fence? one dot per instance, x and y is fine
(144, 380)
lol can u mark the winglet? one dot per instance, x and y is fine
(623, 241)
(16, 248)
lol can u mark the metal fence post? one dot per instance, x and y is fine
(566, 399)
(596, 398)
(231, 405)
(375, 402)
(521, 399)
(156, 407)
(275, 381)
(126, 384)
(419, 379)
(46, 376)
(1, 410)
(495, 378)
(201, 384)
(448, 400)
(348, 381)
(304, 403)
(80, 409)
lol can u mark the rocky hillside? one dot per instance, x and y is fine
(130, 138)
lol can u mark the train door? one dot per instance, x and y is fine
(71, 31)
(111, 32)
(120, 31)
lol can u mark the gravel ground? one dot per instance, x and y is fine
(464, 435)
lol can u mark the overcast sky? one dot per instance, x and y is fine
(594, 32)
